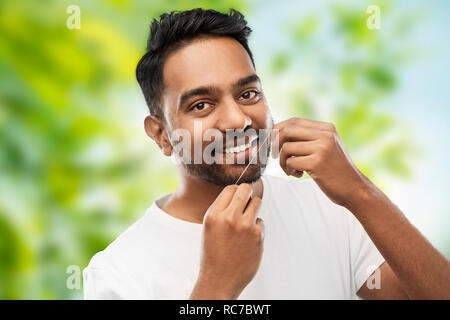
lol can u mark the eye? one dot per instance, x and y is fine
(200, 106)
(250, 94)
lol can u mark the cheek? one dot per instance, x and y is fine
(197, 130)
(261, 116)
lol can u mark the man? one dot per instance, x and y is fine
(229, 231)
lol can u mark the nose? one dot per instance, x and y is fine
(232, 117)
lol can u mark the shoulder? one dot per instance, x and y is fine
(119, 270)
(122, 252)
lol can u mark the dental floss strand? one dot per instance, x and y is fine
(252, 159)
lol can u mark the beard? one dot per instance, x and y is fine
(226, 174)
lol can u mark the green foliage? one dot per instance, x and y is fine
(345, 76)
(303, 30)
(279, 62)
(75, 170)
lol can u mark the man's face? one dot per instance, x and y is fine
(230, 98)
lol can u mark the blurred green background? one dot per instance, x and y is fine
(76, 168)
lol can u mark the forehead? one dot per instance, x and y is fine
(206, 61)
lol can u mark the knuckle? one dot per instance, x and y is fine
(230, 221)
(331, 126)
(283, 150)
(246, 226)
(245, 187)
(328, 137)
(323, 147)
(257, 201)
(319, 160)
(290, 161)
(254, 205)
(209, 220)
(315, 161)
(239, 227)
(230, 188)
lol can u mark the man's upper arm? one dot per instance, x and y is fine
(389, 286)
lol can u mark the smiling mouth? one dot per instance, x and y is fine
(242, 147)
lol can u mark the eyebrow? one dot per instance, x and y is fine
(211, 89)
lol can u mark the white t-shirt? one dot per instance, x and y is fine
(313, 249)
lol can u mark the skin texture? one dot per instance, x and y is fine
(413, 268)
(218, 62)
(234, 243)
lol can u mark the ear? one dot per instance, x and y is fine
(156, 130)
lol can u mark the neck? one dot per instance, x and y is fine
(193, 197)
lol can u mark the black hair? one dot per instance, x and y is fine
(178, 29)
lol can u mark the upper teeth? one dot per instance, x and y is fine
(241, 147)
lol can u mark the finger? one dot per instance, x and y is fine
(299, 148)
(302, 163)
(319, 125)
(224, 198)
(251, 212)
(294, 133)
(241, 198)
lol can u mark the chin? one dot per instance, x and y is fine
(252, 174)
(223, 175)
